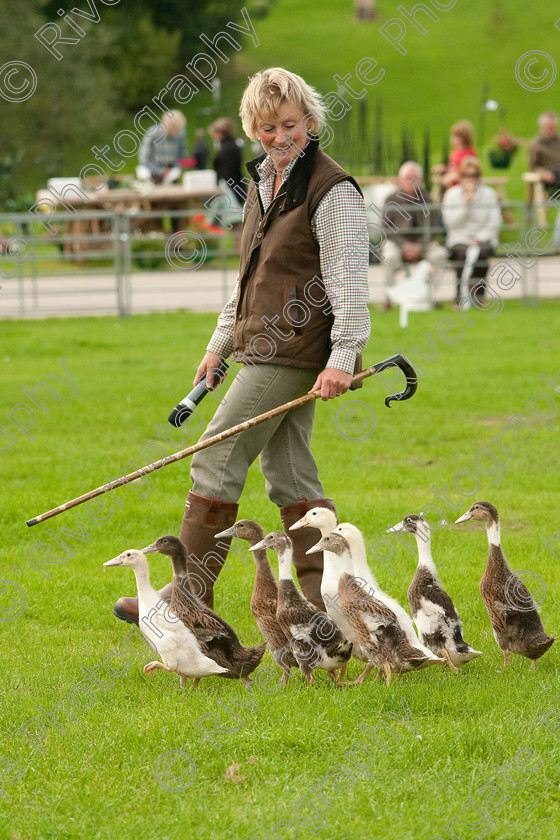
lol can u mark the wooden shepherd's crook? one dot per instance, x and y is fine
(393, 361)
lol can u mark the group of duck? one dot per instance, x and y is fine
(360, 621)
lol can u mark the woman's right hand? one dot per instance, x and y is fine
(207, 368)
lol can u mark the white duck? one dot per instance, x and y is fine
(374, 624)
(325, 520)
(173, 642)
(436, 618)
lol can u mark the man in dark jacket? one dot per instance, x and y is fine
(411, 227)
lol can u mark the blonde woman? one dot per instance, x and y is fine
(471, 216)
(297, 321)
(164, 145)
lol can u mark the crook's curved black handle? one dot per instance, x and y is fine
(411, 377)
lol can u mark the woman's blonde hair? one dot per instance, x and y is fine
(465, 130)
(174, 122)
(269, 90)
(470, 163)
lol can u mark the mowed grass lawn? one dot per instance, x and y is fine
(430, 741)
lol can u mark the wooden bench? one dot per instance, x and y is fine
(497, 182)
(536, 194)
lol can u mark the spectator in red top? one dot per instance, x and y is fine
(461, 137)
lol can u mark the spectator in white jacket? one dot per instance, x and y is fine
(472, 216)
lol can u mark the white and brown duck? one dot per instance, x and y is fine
(374, 624)
(510, 606)
(175, 643)
(325, 521)
(218, 638)
(362, 571)
(437, 620)
(315, 640)
(264, 600)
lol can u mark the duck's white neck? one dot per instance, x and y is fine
(143, 584)
(285, 565)
(493, 533)
(360, 564)
(346, 564)
(331, 565)
(425, 554)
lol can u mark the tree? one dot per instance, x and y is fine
(73, 104)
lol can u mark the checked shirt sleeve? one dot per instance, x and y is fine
(221, 342)
(340, 228)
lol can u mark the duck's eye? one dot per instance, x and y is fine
(476, 507)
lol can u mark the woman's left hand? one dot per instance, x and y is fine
(332, 382)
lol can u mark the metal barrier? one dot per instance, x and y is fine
(120, 262)
(89, 264)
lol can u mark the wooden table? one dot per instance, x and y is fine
(497, 182)
(157, 198)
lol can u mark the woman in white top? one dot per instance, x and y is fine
(472, 216)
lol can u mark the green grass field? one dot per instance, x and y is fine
(94, 776)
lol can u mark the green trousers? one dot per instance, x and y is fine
(282, 443)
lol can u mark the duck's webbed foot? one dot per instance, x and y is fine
(387, 670)
(156, 666)
(369, 667)
(342, 672)
(449, 662)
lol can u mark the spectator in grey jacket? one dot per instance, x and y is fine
(410, 226)
(472, 216)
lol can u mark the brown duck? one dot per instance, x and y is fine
(510, 606)
(315, 640)
(217, 638)
(374, 624)
(264, 600)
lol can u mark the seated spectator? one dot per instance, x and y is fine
(415, 238)
(164, 146)
(200, 150)
(544, 152)
(461, 138)
(472, 216)
(227, 162)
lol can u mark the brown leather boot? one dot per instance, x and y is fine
(202, 519)
(309, 567)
